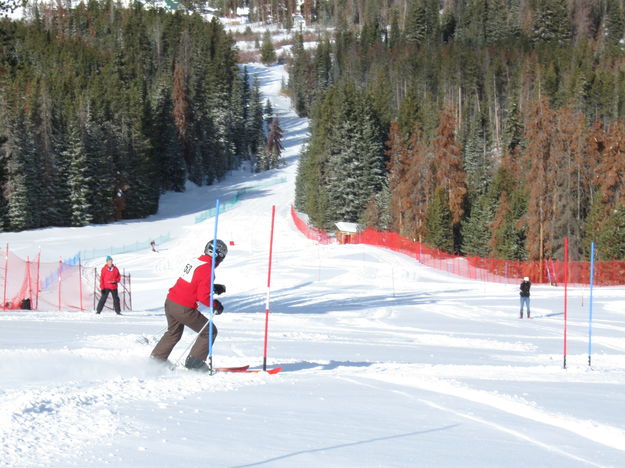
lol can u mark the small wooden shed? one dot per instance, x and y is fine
(345, 232)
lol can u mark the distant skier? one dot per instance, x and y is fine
(181, 307)
(153, 245)
(109, 278)
(525, 296)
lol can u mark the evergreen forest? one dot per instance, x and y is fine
(104, 107)
(481, 127)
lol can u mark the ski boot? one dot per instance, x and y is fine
(195, 364)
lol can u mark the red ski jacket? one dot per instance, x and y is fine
(194, 285)
(109, 277)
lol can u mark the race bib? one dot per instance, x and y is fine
(189, 269)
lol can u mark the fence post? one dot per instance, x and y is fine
(6, 274)
(95, 274)
(80, 282)
(38, 279)
(30, 285)
(60, 282)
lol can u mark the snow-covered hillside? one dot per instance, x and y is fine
(386, 363)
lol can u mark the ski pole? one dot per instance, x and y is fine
(212, 293)
(273, 217)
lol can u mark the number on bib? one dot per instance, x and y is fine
(189, 269)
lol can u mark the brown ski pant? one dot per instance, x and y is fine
(177, 317)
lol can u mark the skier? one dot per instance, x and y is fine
(181, 307)
(109, 277)
(525, 296)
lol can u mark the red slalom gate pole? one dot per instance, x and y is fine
(273, 217)
(37, 285)
(566, 281)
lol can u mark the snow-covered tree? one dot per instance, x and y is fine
(267, 50)
(79, 178)
(22, 184)
(356, 156)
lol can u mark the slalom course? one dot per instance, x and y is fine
(372, 358)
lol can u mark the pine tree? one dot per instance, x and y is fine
(422, 24)
(377, 214)
(299, 77)
(551, 23)
(168, 151)
(238, 110)
(397, 169)
(274, 144)
(508, 229)
(611, 242)
(611, 169)
(100, 167)
(22, 184)
(449, 164)
(79, 177)
(615, 22)
(355, 160)
(267, 50)
(438, 223)
(477, 161)
(476, 229)
(540, 174)
(268, 111)
(513, 129)
(254, 117)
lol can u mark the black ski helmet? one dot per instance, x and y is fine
(221, 250)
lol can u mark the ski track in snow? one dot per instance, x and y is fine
(600, 433)
(517, 408)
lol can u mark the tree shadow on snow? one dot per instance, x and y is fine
(321, 302)
(304, 365)
(350, 444)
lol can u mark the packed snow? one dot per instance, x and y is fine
(385, 362)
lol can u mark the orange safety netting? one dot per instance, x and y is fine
(607, 273)
(40, 285)
(311, 232)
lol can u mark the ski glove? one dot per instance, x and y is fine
(217, 307)
(219, 289)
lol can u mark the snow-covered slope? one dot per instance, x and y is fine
(385, 362)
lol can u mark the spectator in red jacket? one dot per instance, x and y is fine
(109, 277)
(181, 307)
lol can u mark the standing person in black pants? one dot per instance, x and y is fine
(525, 296)
(109, 278)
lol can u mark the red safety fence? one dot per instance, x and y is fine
(36, 285)
(40, 285)
(608, 273)
(312, 233)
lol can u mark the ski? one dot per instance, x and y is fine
(275, 370)
(232, 369)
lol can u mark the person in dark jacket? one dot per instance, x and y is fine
(181, 307)
(525, 296)
(109, 278)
